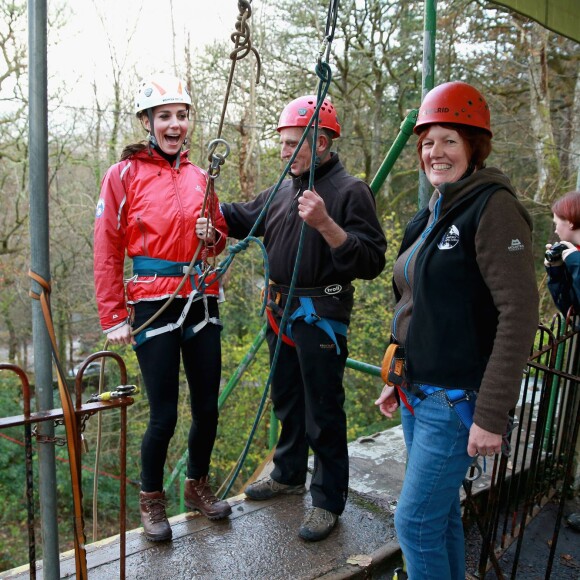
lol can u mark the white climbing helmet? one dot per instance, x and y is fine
(159, 90)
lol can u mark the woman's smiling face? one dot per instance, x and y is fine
(444, 154)
(170, 124)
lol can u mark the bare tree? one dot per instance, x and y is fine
(536, 40)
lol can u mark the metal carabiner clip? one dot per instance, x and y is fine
(216, 159)
(475, 470)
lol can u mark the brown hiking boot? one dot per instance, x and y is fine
(153, 516)
(199, 496)
(269, 488)
(317, 524)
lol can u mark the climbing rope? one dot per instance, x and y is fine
(324, 73)
(241, 38)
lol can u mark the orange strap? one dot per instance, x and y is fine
(387, 367)
(394, 366)
(272, 319)
(72, 432)
(276, 328)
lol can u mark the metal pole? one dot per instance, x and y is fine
(405, 131)
(428, 80)
(39, 261)
(248, 358)
(363, 367)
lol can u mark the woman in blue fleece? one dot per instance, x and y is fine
(564, 269)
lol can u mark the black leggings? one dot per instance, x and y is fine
(159, 359)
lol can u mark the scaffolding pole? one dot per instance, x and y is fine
(39, 263)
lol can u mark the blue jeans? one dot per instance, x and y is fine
(428, 515)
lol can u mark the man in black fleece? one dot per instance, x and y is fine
(343, 241)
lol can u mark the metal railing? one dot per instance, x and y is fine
(30, 420)
(538, 470)
(540, 467)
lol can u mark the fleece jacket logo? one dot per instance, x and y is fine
(450, 239)
(516, 246)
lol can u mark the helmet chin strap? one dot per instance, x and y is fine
(310, 140)
(151, 137)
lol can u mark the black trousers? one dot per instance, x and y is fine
(159, 360)
(308, 398)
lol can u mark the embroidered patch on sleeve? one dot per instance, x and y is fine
(515, 246)
(100, 207)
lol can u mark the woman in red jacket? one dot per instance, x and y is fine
(149, 204)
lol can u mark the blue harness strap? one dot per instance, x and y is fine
(464, 405)
(146, 266)
(306, 311)
(460, 400)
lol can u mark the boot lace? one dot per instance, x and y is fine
(204, 491)
(318, 516)
(156, 510)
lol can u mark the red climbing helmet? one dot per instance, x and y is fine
(298, 113)
(455, 102)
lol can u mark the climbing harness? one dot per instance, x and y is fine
(306, 311)
(462, 401)
(189, 332)
(392, 372)
(146, 266)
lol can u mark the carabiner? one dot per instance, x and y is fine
(471, 476)
(216, 159)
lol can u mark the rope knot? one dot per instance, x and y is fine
(240, 246)
(241, 37)
(323, 71)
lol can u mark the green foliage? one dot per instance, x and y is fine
(13, 516)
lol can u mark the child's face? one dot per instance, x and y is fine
(563, 229)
